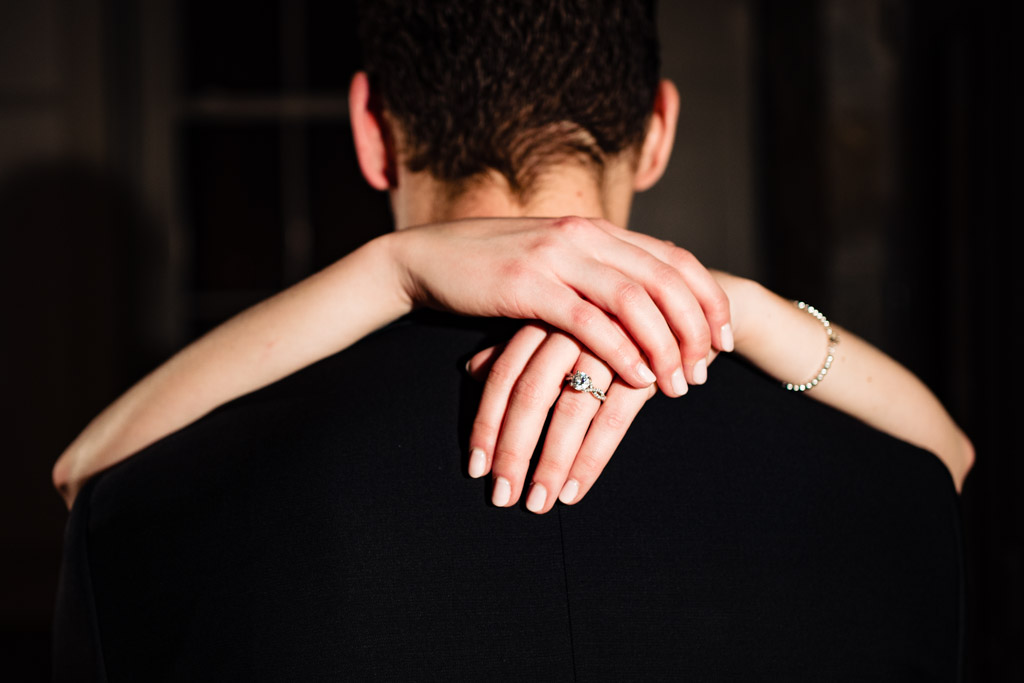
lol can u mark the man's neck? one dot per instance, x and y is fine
(566, 191)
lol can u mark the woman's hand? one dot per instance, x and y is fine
(525, 378)
(581, 276)
(574, 273)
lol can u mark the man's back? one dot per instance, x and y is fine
(323, 528)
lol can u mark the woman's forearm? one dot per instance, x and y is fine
(317, 317)
(791, 345)
(526, 268)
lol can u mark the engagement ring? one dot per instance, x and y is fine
(580, 381)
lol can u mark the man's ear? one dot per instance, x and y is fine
(661, 133)
(371, 135)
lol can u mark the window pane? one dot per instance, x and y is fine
(234, 205)
(231, 45)
(333, 50)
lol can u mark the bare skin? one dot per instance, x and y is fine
(634, 311)
(770, 331)
(545, 269)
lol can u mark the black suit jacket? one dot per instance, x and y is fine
(324, 528)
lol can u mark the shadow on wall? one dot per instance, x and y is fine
(74, 270)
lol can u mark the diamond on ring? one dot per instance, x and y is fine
(580, 381)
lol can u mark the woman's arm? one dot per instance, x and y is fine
(318, 316)
(863, 382)
(790, 345)
(570, 272)
(525, 379)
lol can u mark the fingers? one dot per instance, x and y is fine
(504, 372)
(571, 418)
(534, 393)
(613, 419)
(710, 295)
(579, 275)
(688, 321)
(658, 292)
(563, 308)
(649, 296)
(694, 305)
(525, 380)
(647, 322)
(480, 364)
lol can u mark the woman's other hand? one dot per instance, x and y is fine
(524, 380)
(573, 273)
(580, 276)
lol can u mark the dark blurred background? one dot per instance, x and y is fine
(164, 164)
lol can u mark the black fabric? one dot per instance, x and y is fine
(324, 528)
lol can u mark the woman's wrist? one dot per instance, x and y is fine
(772, 333)
(747, 300)
(394, 254)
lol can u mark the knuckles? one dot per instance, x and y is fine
(484, 431)
(628, 293)
(697, 347)
(683, 260)
(530, 394)
(503, 372)
(572, 407)
(719, 306)
(666, 355)
(551, 470)
(572, 226)
(507, 460)
(613, 420)
(684, 255)
(587, 466)
(519, 273)
(666, 277)
(583, 315)
(553, 242)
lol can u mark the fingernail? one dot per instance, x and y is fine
(728, 343)
(679, 382)
(645, 373)
(469, 361)
(477, 463)
(538, 496)
(569, 491)
(700, 371)
(502, 492)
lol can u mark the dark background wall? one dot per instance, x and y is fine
(164, 164)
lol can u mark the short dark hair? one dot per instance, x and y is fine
(512, 85)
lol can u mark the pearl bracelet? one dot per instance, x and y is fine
(833, 339)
